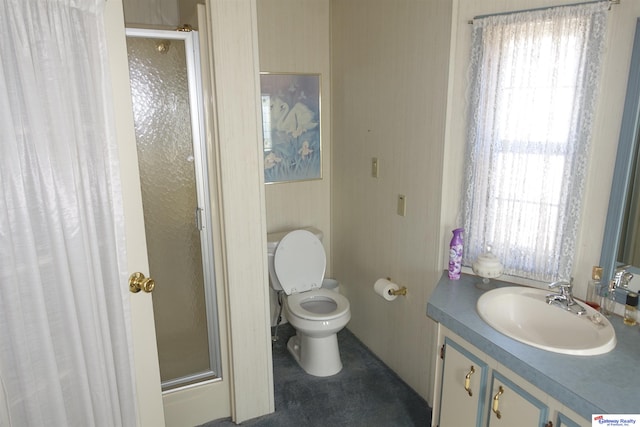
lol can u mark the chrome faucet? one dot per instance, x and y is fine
(564, 299)
(622, 277)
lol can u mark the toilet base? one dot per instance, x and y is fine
(319, 357)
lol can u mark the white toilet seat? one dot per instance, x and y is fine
(296, 304)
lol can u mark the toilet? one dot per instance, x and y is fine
(296, 266)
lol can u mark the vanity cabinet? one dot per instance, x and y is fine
(511, 405)
(472, 389)
(463, 387)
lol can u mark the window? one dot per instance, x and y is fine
(534, 78)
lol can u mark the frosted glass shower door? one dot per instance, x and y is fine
(171, 159)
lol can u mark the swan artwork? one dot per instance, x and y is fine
(305, 151)
(294, 120)
(271, 160)
(291, 127)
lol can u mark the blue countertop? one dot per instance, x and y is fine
(603, 384)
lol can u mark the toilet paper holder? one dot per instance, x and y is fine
(402, 291)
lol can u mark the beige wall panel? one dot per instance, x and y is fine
(151, 13)
(234, 53)
(619, 42)
(188, 12)
(389, 69)
(294, 37)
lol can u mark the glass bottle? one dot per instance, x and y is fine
(455, 254)
(594, 288)
(631, 309)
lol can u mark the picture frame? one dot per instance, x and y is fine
(291, 124)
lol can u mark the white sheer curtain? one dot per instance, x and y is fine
(534, 80)
(64, 345)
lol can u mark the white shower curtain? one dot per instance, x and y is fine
(65, 358)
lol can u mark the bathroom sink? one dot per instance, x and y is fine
(523, 314)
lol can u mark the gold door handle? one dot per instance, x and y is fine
(467, 380)
(496, 402)
(137, 283)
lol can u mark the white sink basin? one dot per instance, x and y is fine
(523, 314)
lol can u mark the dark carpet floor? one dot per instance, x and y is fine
(365, 393)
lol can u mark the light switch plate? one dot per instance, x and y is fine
(374, 167)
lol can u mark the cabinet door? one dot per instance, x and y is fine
(565, 417)
(565, 421)
(512, 406)
(463, 388)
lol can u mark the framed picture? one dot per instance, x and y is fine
(291, 127)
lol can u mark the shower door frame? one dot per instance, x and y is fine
(202, 216)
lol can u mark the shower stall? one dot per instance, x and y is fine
(165, 85)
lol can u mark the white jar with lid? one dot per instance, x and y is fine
(487, 266)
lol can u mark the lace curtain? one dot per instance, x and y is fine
(533, 85)
(64, 345)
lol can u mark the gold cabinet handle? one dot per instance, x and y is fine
(137, 283)
(467, 380)
(496, 402)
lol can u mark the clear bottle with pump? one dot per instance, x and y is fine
(608, 305)
(631, 309)
(594, 288)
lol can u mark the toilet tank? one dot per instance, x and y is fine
(272, 243)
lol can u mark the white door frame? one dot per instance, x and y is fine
(142, 328)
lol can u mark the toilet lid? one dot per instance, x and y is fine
(299, 262)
